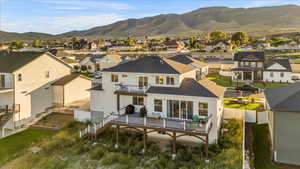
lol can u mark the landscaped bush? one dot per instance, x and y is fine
(97, 153)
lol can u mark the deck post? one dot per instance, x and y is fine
(174, 145)
(145, 139)
(117, 137)
(164, 122)
(145, 121)
(206, 146)
(118, 103)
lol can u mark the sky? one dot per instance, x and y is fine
(59, 16)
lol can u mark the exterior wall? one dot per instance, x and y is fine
(6, 99)
(41, 99)
(77, 90)
(287, 137)
(277, 76)
(9, 80)
(33, 77)
(58, 95)
(215, 109)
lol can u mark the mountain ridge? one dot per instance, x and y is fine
(286, 17)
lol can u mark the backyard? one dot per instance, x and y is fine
(238, 105)
(226, 81)
(65, 150)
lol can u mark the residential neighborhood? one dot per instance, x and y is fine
(149, 84)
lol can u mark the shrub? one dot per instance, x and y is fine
(97, 153)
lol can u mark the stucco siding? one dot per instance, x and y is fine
(58, 95)
(287, 137)
(41, 99)
(77, 89)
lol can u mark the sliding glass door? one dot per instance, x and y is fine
(179, 109)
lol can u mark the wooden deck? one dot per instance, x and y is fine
(145, 125)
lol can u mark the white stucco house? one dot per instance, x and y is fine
(97, 63)
(26, 80)
(171, 88)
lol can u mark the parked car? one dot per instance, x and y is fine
(247, 88)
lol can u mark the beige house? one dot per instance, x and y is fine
(97, 63)
(66, 90)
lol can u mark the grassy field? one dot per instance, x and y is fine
(66, 151)
(226, 81)
(233, 105)
(261, 148)
(13, 145)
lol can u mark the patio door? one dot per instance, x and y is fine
(179, 109)
(173, 108)
(143, 82)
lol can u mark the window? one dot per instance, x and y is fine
(281, 74)
(124, 75)
(170, 80)
(47, 75)
(203, 109)
(89, 67)
(137, 100)
(114, 78)
(157, 105)
(19, 77)
(159, 80)
(271, 74)
(143, 82)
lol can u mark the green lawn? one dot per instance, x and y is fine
(226, 82)
(12, 145)
(250, 106)
(261, 147)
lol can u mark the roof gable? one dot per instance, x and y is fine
(278, 65)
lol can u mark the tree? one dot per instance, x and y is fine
(192, 41)
(16, 45)
(240, 38)
(36, 43)
(217, 35)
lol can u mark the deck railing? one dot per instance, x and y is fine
(131, 88)
(202, 126)
(10, 108)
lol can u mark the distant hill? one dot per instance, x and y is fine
(202, 20)
(262, 19)
(11, 36)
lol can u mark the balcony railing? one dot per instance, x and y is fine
(9, 108)
(131, 89)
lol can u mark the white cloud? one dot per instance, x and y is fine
(88, 4)
(60, 24)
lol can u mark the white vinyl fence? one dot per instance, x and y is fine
(251, 116)
(82, 116)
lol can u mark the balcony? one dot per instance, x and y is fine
(131, 90)
(9, 108)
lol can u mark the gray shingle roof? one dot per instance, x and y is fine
(188, 60)
(283, 62)
(249, 56)
(152, 64)
(190, 87)
(11, 61)
(286, 98)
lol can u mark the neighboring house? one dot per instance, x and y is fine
(28, 83)
(98, 63)
(201, 66)
(283, 119)
(261, 45)
(218, 46)
(169, 89)
(252, 66)
(278, 70)
(296, 72)
(3, 47)
(66, 89)
(174, 45)
(26, 79)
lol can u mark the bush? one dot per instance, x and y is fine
(97, 153)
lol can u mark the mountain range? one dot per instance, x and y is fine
(260, 19)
